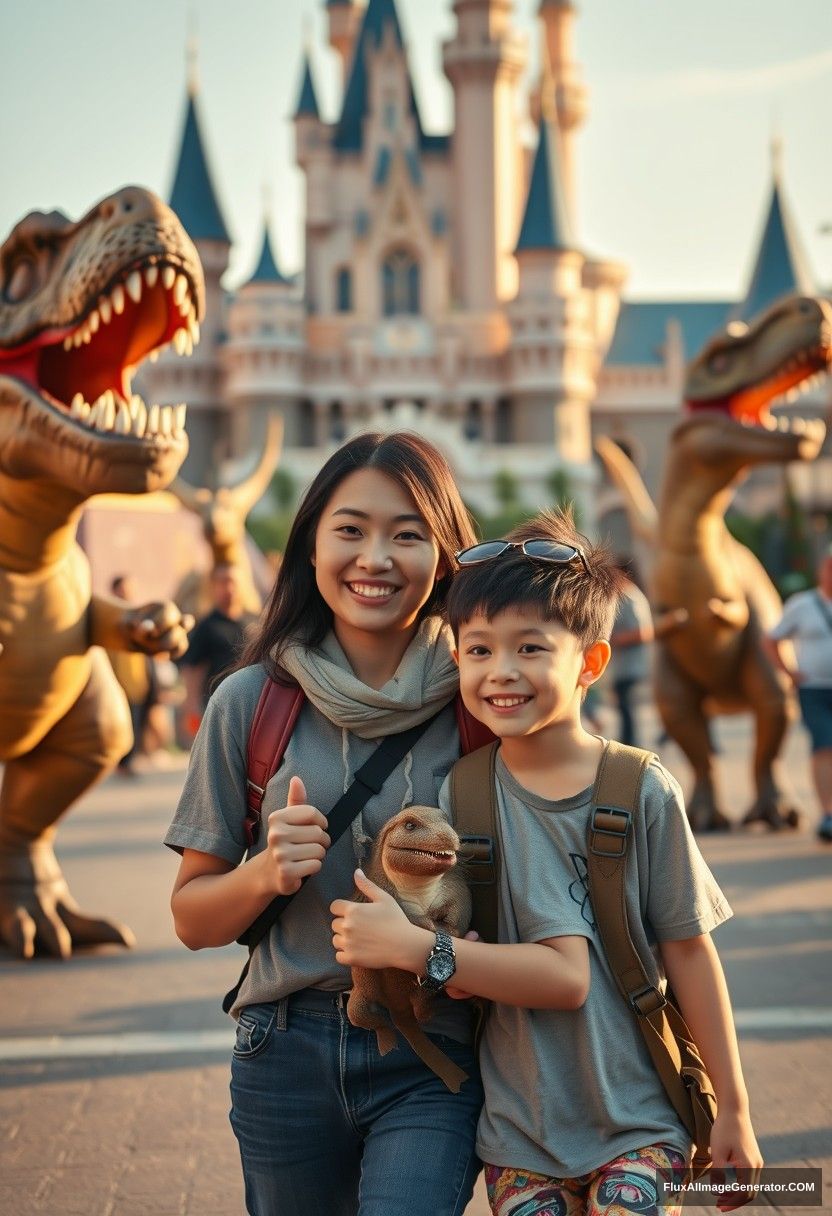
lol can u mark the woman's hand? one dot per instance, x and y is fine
(297, 840)
(375, 934)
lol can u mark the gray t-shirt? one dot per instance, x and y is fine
(211, 813)
(806, 624)
(567, 1091)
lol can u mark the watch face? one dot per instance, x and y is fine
(441, 967)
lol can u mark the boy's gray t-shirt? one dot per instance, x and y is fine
(211, 814)
(568, 1091)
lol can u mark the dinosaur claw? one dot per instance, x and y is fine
(94, 930)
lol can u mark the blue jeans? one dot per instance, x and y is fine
(328, 1127)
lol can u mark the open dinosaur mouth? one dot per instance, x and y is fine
(752, 406)
(86, 368)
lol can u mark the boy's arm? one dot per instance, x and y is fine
(696, 977)
(550, 974)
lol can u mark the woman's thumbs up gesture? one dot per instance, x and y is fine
(297, 840)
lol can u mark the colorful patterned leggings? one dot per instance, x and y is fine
(626, 1185)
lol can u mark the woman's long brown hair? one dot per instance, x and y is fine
(296, 610)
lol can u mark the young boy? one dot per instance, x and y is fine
(575, 1117)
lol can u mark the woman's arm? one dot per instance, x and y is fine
(213, 902)
(550, 974)
(698, 982)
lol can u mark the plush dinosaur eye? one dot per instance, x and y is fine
(719, 363)
(21, 281)
(410, 825)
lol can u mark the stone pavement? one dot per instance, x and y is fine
(113, 1072)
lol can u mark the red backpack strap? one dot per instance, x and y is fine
(271, 728)
(472, 733)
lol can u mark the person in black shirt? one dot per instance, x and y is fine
(215, 643)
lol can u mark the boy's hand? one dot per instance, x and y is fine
(734, 1144)
(372, 935)
(297, 840)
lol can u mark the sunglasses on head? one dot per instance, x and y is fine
(539, 549)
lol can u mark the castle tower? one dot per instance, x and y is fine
(313, 153)
(561, 78)
(263, 353)
(553, 348)
(484, 62)
(344, 17)
(198, 379)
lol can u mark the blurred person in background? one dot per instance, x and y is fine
(807, 623)
(215, 644)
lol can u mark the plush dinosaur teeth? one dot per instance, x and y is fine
(111, 414)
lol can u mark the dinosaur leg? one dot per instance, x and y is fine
(772, 711)
(363, 1008)
(36, 908)
(680, 705)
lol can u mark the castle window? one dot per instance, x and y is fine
(400, 284)
(343, 289)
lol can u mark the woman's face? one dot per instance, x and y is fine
(375, 559)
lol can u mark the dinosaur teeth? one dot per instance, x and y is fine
(94, 321)
(181, 340)
(117, 297)
(111, 414)
(106, 309)
(151, 275)
(168, 277)
(134, 286)
(180, 290)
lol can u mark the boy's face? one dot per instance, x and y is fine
(519, 673)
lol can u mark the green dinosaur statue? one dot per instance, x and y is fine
(81, 305)
(713, 661)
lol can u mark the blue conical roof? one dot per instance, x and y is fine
(349, 133)
(193, 197)
(307, 100)
(781, 267)
(546, 223)
(267, 270)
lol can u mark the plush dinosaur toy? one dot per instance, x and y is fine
(414, 859)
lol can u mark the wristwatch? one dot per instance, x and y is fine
(440, 964)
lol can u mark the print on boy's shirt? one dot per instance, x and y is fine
(579, 889)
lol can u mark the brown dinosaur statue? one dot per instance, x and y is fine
(713, 662)
(81, 305)
(223, 513)
(414, 859)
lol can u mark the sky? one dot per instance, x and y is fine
(674, 161)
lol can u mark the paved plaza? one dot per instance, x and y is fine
(113, 1066)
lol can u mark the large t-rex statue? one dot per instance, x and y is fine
(81, 305)
(223, 513)
(714, 662)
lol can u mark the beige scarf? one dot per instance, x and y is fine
(425, 680)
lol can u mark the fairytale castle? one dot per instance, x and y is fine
(445, 287)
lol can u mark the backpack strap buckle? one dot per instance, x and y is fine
(647, 1000)
(608, 831)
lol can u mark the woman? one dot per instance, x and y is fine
(324, 1124)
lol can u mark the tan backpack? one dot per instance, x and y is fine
(615, 805)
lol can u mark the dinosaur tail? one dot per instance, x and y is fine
(431, 1055)
(624, 475)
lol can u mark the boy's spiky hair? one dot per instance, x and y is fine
(584, 603)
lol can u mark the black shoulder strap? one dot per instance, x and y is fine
(367, 781)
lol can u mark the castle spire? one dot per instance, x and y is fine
(781, 266)
(193, 197)
(546, 220)
(307, 106)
